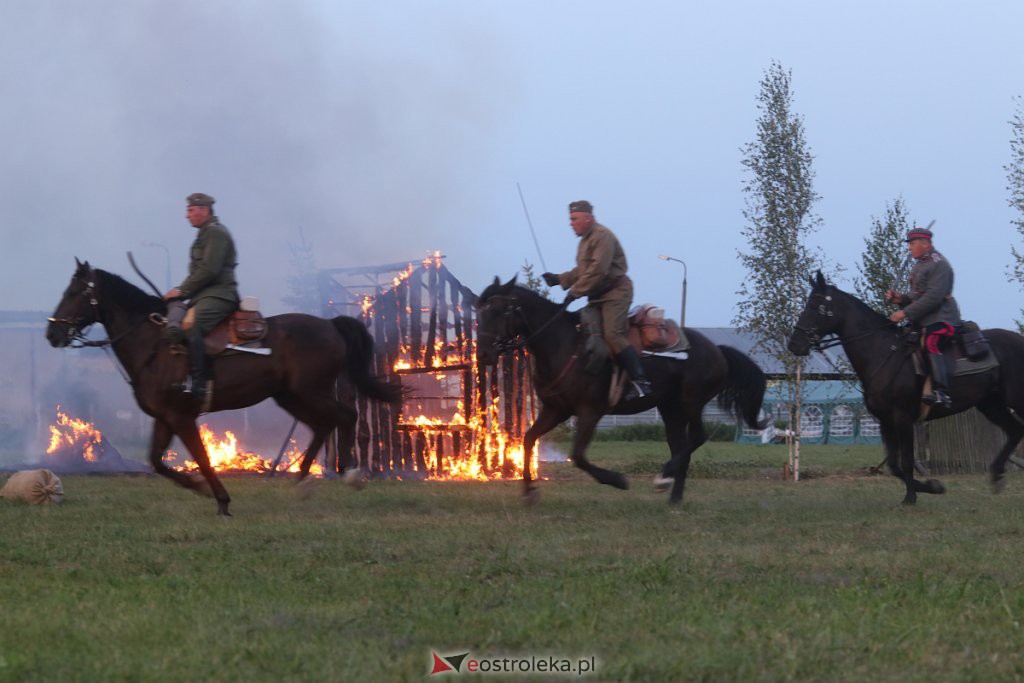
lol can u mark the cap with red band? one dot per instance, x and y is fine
(918, 234)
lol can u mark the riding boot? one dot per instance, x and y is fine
(639, 385)
(940, 381)
(199, 368)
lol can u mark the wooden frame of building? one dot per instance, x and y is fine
(456, 418)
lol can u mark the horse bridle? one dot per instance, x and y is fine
(818, 344)
(506, 341)
(76, 327)
(816, 340)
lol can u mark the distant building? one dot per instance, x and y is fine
(832, 407)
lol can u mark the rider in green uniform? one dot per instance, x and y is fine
(210, 287)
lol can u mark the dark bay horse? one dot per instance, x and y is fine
(881, 357)
(510, 315)
(309, 355)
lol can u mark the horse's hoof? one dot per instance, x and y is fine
(223, 512)
(935, 486)
(662, 483)
(619, 482)
(355, 478)
(530, 497)
(998, 484)
(675, 500)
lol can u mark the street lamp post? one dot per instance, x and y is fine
(682, 309)
(167, 256)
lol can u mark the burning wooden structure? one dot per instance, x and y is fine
(458, 421)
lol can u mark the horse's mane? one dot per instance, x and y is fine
(521, 293)
(134, 300)
(860, 305)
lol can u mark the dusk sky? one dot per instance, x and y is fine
(388, 130)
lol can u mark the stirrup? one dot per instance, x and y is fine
(189, 387)
(938, 398)
(639, 388)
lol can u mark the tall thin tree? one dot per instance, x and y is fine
(885, 263)
(1015, 185)
(780, 195)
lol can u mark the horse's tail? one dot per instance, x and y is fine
(744, 388)
(359, 358)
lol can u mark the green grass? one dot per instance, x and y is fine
(752, 578)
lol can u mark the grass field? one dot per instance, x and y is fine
(752, 578)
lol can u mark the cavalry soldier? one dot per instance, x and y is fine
(600, 275)
(210, 287)
(929, 306)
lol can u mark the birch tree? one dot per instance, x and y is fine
(779, 198)
(885, 263)
(1015, 185)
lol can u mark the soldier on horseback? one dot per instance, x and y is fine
(929, 306)
(600, 275)
(210, 287)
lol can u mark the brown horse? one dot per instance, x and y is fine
(510, 316)
(308, 356)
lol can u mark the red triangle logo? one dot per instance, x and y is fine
(440, 665)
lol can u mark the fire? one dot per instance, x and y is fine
(71, 432)
(446, 444)
(226, 456)
(493, 453)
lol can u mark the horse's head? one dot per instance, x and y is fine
(77, 309)
(817, 319)
(498, 320)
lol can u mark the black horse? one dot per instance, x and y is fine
(309, 355)
(510, 315)
(883, 361)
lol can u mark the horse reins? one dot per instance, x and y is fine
(76, 328)
(820, 345)
(508, 345)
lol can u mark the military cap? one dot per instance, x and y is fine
(918, 234)
(582, 205)
(199, 199)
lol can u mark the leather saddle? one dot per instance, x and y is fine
(968, 353)
(245, 327)
(650, 330)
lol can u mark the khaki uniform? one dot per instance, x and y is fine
(211, 286)
(600, 275)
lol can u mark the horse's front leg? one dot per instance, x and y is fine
(547, 420)
(189, 435)
(158, 443)
(902, 452)
(585, 425)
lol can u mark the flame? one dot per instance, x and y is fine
(71, 432)
(485, 451)
(493, 453)
(226, 456)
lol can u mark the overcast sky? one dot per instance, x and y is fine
(390, 129)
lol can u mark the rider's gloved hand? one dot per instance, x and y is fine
(550, 279)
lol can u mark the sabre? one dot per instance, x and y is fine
(131, 260)
(530, 223)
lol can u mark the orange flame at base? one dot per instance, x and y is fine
(71, 432)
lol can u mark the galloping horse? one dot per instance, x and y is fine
(308, 355)
(510, 315)
(882, 359)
